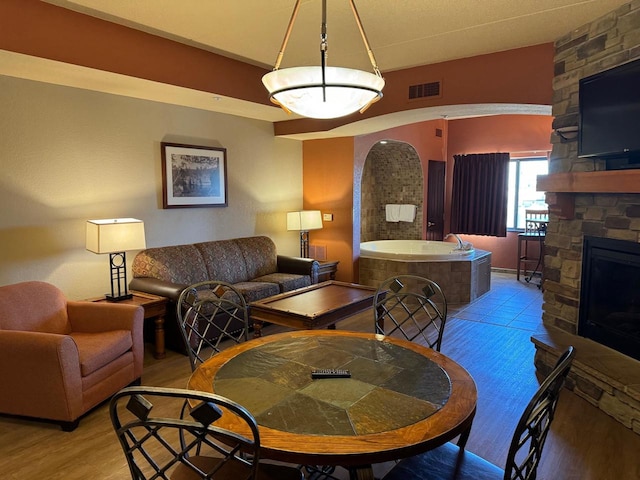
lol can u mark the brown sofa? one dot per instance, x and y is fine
(58, 358)
(250, 264)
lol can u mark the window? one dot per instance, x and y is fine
(522, 188)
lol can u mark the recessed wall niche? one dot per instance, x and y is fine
(392, 174)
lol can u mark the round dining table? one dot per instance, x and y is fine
(400, 398)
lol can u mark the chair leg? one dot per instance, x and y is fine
(519, 259)
(70, 426)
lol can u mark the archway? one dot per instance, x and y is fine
(392, 174)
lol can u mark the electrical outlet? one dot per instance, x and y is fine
(327, 217)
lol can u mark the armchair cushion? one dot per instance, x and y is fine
(97, 350)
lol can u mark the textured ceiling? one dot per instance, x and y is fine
(402, 33)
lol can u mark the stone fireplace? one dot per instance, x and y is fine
(587, 202)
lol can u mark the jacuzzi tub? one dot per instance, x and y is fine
(462, 275)
(413, 250)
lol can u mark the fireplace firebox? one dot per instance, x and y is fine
(610, 294)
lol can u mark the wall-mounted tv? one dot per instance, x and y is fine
(610, 116)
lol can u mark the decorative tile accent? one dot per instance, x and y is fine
(392, 175)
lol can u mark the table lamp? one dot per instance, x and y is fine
(115, 236)
(304, 221)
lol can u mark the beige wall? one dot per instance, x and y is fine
(68, 155)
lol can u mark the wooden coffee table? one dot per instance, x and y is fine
(317, 306)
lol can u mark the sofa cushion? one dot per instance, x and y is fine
(224, 261)
(259, 255)
(286, 281)
(182, 264)
(96, 350)
(253, 291)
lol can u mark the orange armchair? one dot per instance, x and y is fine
(58, 358)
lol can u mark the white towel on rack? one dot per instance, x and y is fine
(407, 213)
(392, 212)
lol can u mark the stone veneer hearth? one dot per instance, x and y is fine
(602, 376)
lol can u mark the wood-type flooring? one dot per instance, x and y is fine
(490, 338)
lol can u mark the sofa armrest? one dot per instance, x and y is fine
(40, 375)
(158, 287)
(299, 265)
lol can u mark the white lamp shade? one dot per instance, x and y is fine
(304, 220)
(300, 89)
(115, 235)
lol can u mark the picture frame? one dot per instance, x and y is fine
(193, 176)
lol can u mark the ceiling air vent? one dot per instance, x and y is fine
(424, 90)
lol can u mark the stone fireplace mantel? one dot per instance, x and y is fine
(561, 187)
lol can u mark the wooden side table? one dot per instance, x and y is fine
(327, 270)
(155, 307)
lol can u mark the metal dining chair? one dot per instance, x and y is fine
(160, 443)
(210, 313)
(411, 307)
(450, 462)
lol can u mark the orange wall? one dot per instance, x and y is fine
(327, 185)
(39, 29)
(519, 76)
(332, 172)
(521, 135)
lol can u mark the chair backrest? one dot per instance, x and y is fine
(34, 307)
(533, 427)
(208, 314)
(168, 433)
(535, 221)
(411, 307)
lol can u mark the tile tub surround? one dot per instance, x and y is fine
(604, 377)
(462, 280)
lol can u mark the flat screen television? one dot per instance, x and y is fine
(610, 116)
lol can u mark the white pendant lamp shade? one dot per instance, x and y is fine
(324, 92)
(345, 91)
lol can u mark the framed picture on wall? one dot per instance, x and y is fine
(193, 176)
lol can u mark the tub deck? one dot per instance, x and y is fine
(462, 279)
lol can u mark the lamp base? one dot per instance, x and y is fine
(111, 298)
(304, 243)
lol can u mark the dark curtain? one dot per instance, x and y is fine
(479, 200)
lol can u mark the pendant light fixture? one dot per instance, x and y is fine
(322, 91)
